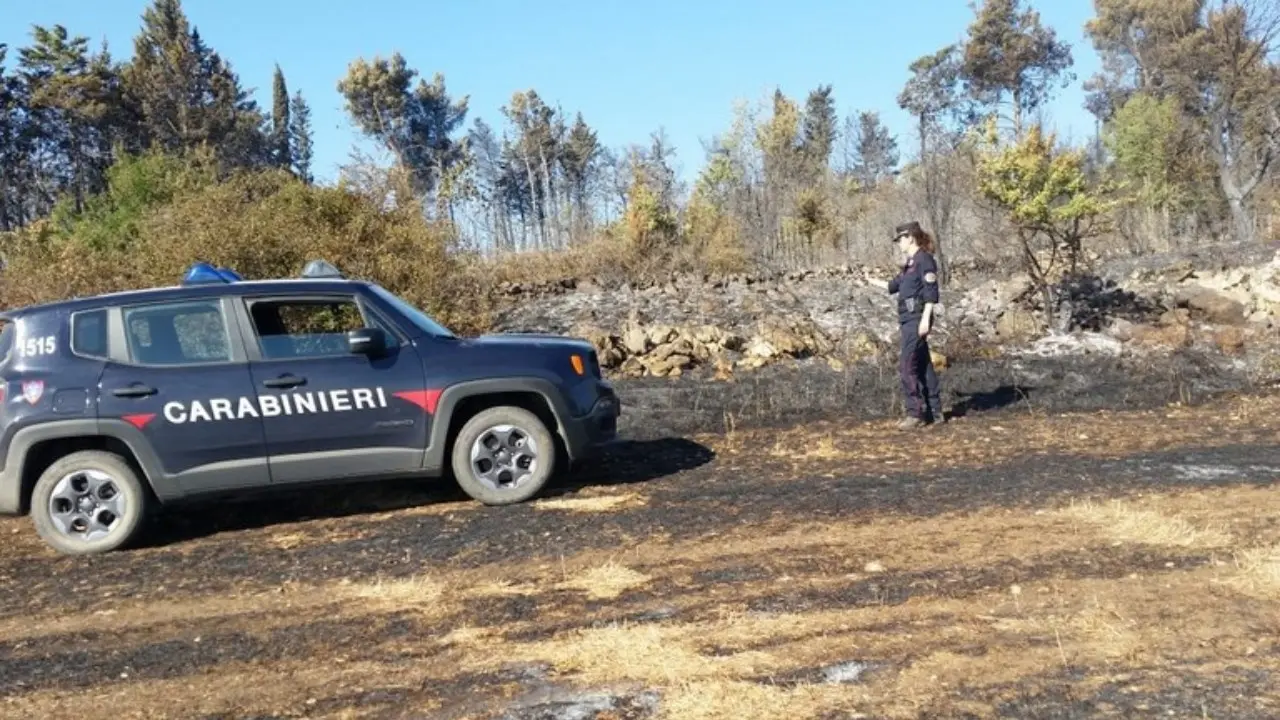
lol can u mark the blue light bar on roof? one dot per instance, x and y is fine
(203, 273)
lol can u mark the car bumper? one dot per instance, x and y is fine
(599, 427)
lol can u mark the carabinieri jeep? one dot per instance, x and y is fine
(118, 404)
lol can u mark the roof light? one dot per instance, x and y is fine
(203, 273)
(321, 269)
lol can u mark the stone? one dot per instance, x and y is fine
(1212, 305)
(1229, 339)
(1121, 329)
(1016, 324)
(635, 340)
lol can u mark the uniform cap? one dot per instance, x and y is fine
(906, 228)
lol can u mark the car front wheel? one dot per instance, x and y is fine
(503, 455)
(88, 502)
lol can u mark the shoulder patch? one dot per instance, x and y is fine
(930, 277)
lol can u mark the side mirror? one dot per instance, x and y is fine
(367, 341)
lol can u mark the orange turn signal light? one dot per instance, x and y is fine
(577, 364)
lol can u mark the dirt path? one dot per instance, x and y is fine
(1012, 565)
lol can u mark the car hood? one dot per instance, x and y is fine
(532, 340)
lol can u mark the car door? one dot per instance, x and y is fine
(177, 373)
(330, 412)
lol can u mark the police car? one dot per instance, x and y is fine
(118, 404)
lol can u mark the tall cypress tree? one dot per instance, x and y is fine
(281, 151)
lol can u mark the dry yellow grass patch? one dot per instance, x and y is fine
(607, 581)
(597, 504)
(656, 654)
(417, 590)
(1125, 523)
(1258, 572)
(822, 447)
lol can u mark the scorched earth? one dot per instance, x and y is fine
(1017, 563)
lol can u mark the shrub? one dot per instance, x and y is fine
(150, 226)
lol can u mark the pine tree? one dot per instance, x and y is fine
(300, 137)
(187, 94)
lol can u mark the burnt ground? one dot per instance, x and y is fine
(797, 392)
(1083, 549)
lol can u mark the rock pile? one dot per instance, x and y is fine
(670, 351)
(838, 315)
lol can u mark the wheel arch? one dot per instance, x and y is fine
(36, 448)
(459, 403)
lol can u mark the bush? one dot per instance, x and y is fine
(149, 227)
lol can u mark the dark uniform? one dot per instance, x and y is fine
(916, 285)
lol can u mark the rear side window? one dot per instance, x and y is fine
(177, 333)
(89, 333)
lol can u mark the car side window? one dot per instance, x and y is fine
(89, 333)
(305, 328)
(177, 333)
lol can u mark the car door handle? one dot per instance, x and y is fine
(285, 381)
(134, 391)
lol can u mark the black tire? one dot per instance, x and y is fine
(531, 428)
(127, 487)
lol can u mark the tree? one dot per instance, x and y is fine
(1145, 138)
(280, 141)
(300, 138)
(579, 158)
(187, 95)
(932, 95)
(1009, 52)
(873, 150)
(818, 131)
(415, 123)
(1045, 194)
(1219, 63)
(14, 149)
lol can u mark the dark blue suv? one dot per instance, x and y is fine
(119, 403)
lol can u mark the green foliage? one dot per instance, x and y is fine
(1043, 189)
(650, 225)
(162, 213)
(1010, 52)
(1143, 138)
(1046, 195)
(136, 185)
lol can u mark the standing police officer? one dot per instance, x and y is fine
(917, 290)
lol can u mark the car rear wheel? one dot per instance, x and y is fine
(503, 455)
(87, 503)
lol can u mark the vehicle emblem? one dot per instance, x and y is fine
(32, 390)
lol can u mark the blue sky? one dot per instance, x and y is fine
(629, 67)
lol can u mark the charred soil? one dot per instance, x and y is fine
(1072, 546)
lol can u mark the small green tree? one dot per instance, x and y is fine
(1046, 195)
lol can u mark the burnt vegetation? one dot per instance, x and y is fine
(1085, 540)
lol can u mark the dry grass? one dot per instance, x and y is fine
(1128, 524)
(965, 443)
(1258, 572)
(418, 590)
(606, 581)
(964, 611)
(596, 504)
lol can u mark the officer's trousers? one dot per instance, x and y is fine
(919, 381)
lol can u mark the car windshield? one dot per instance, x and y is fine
(418, 317)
